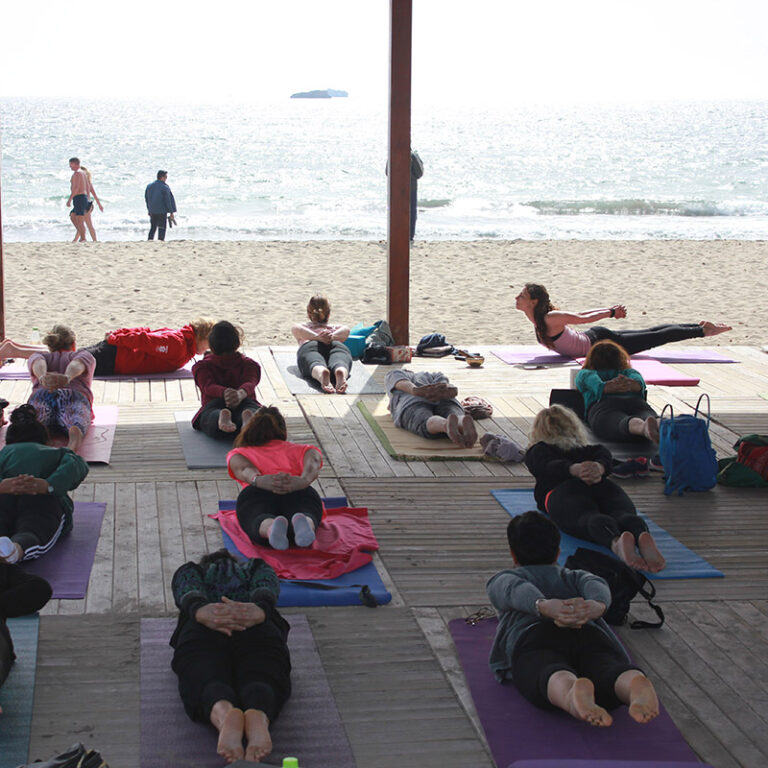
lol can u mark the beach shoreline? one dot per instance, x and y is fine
(458, 288)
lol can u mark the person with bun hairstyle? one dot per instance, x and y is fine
(573, 488)
(227, 382)
(61, 385)
(614, 396)
(322, 355)
(132, 351)
(35, 480)
(277, 506)
(553, 326)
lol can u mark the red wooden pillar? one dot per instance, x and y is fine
(398, 225)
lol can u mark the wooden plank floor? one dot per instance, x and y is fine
(393, 670)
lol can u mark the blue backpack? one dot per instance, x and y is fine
(686, 452)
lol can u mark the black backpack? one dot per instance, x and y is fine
(624, 583)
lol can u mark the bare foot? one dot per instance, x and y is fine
(643, 702)
(468, 430)
(257, 733)
(323, 377)
(624, 548)
(247, 415)
(651, 428)
(712, 329)
(231, 735)
(225, 420)
(341, 381)
(75, 439)
(650, 552)
(452, 430)
(581, 704)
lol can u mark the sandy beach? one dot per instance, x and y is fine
(460, 289)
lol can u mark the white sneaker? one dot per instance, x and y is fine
(8, 551)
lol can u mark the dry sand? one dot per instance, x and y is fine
(460, 289)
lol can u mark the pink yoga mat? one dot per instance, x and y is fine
(67, 567)
(530, 354)
(516, 730)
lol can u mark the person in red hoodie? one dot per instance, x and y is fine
(129, 351)
(227, 382)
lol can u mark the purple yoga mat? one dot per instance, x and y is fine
(530, 354)
(516, 730)
(19, 370)
(309, 727)
(675, 355)
(67, 567)
(604, 764)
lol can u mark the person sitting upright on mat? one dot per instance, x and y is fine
(551, 640)
(425, 403)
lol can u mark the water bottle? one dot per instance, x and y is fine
(35, 336)
(290, 762)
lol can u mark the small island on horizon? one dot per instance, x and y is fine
(326, 93)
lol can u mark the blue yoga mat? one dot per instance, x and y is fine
(345, 589)
(682, 563)
(18, 692)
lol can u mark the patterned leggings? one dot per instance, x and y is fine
(61, 409)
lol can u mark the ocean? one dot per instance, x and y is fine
(314, 169)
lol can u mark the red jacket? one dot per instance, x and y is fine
(215, 373)
(142, 350)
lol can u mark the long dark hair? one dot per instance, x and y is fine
(265, 425)
(539, 294)
(25, 427)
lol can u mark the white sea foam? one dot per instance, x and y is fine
(315, 170)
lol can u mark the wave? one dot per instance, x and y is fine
(640, 207)
(439, 203)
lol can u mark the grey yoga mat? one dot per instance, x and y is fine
(200, 451)
(309, 727)
(360, 379)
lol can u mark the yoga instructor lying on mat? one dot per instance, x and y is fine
(553, 326)
(551, 639)
(613, 392)
(230, 651)
(35, 508)
(277, 506)
(130, 351)
(425, 403)
(573, 488)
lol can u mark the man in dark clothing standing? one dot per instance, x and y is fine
(417, 171)
(160, 205)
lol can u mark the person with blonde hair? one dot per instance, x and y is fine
(614, 396)
(61, 385)
(573, 488)
(322, 355)
(277, 506)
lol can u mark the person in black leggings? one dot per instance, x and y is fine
(20, 594)
(573, 488)
(614, 396)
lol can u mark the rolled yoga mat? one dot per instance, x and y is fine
(682, 563)
(18, 692)
(309, 727)
(67, 567)
(516, 730)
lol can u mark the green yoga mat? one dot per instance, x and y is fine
(18, 692)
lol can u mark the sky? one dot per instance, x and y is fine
(477, 51)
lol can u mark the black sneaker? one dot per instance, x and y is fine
(632, 468)
(655, 464)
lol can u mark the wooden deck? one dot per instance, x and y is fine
(393, 670)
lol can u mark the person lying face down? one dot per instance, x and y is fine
(425, 403)
(551, 640)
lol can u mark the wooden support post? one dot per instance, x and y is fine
(398, 231)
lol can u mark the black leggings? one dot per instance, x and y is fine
(251, 669)
(588, 652)
(34, 522)
(598, 512)
(105, 355)
(331, 356)
(158, 223)
(255, 505)
(609, 418)
(208, 420)
(638, 341)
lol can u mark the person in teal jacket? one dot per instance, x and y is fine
(35, 480)
(614, 396)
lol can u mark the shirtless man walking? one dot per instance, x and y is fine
(78, 198)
